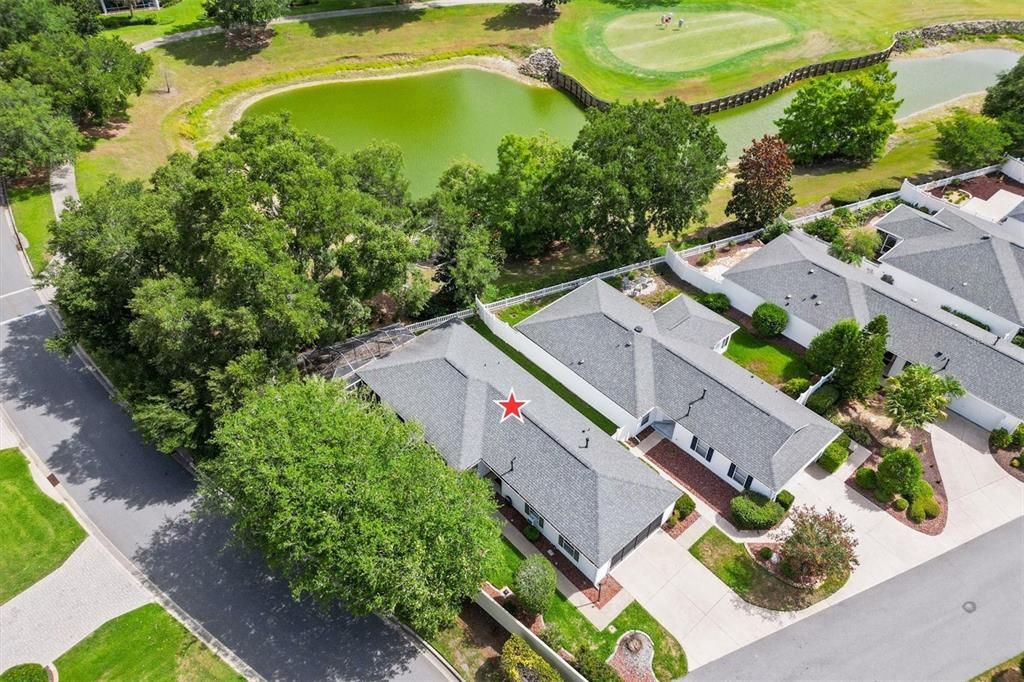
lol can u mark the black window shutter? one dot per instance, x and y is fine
(693, 444)
(732, 468)
(750, 479)
(711, 453)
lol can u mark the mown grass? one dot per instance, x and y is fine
(33, 211)
(821, 31)
(579, 633)
(514, 314)
(730, 562)
(560, 390)
(774, 364)
(144, 645)
(37, 533)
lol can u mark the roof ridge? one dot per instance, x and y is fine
(1012, 274)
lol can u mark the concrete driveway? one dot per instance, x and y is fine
(711, 621)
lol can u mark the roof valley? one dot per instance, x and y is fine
(1012, 271)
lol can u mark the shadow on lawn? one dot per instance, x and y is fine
(366, 24)
(515, 17)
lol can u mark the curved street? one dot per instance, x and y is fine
(142, 503)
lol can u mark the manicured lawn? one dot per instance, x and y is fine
(616, 49)
(514, 314)
(1014, 663)
(501, 568)
(774, 364)
(579, 633)
(144, 645)
(564, 393)
(37, 533)
(731, 563)
(33, 212)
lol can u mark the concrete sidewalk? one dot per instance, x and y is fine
(61, 609)
(711, 621)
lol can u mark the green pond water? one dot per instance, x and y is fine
(463, 113)
(435, 118)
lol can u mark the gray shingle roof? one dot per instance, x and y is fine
(749, 421)
(989, 367)
(594, 492)
(960, 257)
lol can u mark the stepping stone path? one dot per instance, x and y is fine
(633, 656)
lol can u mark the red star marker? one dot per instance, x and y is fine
(512, 406)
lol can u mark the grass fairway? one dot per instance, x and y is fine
(36, 533)
(144, 645)
(614, 48)
(706, 39)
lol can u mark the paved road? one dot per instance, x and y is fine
(142, 502)
(912, 627)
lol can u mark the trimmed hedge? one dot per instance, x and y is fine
(591, 665)
(753, 511)
(785, 498)
(824, 399)
(532, 533)
(518, 658)
(923, 508)
(858, 433)
(769, 319)
(795, 387)
(833, 457)
(718, 302)
(26, 672)
(921, 490)
(1017, 437)
(866, 478)
(999, 439)
(685, 506)
(901, 504)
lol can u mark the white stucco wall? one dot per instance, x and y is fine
(983, 414)
(1013, 168)
(555, 368)
(935, 297)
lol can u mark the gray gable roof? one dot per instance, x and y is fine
(989, 367)
(961, 258)
(581, 481)
(617, 346)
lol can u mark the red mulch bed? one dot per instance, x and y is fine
(675, 531)
(693, 475)
(1003, 458)
(919, 437)
(634, 667)
(984, 187)
(599, 595)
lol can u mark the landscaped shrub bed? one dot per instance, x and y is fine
(769, 320)
(716, 301)
(785, 499)
(835, 454)
(26, 672)
(753, 511)
(794, 388)
(823, 400)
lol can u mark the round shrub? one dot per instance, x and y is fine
(921, 490)
(751, 511)
(858, 433)
(916, 511)
(765, 553)
(795, 387)
(535, 583)
(999, 439)
(931, 507)
(685, 506)
(1015, 462)
(866, 478)
(553, 636)
(715, 301)
(883, 495)
(825, 229)
(532, 533)
(591, 665)
(899, 470)
(775, 229)
(706, 258)
(823, 400)
(833, 457)
(901, 504)
(26, 672)
(1017, 437)
(785, 498)
(520, 663)
(769, 319)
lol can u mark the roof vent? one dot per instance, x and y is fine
(985, 237)
(817, 303)
(965, 284)
(638, 329)
(814, 296)
(628, 344)
(579, 362)
(811, 271)
(789, 296)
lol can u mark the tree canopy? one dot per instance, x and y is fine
(1004, 101)
(209, 281)
(349, 503)
(856, 354)
(244, 15)
(918, 396)
(517, 208)
(968, 141)
(638, 169)
(845, 117)
(32, 136)
(817, 544)
(762, 191)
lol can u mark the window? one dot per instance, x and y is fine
(533, 517)
(647, 418)
(702, 448)
(739, 475)
(569, 549)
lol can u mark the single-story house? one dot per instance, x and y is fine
(662, 369)
(796, 272)
(583, 490)
(957, 260)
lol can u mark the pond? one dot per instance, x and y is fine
(921, 83)
(463, 113)
(435, 118)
